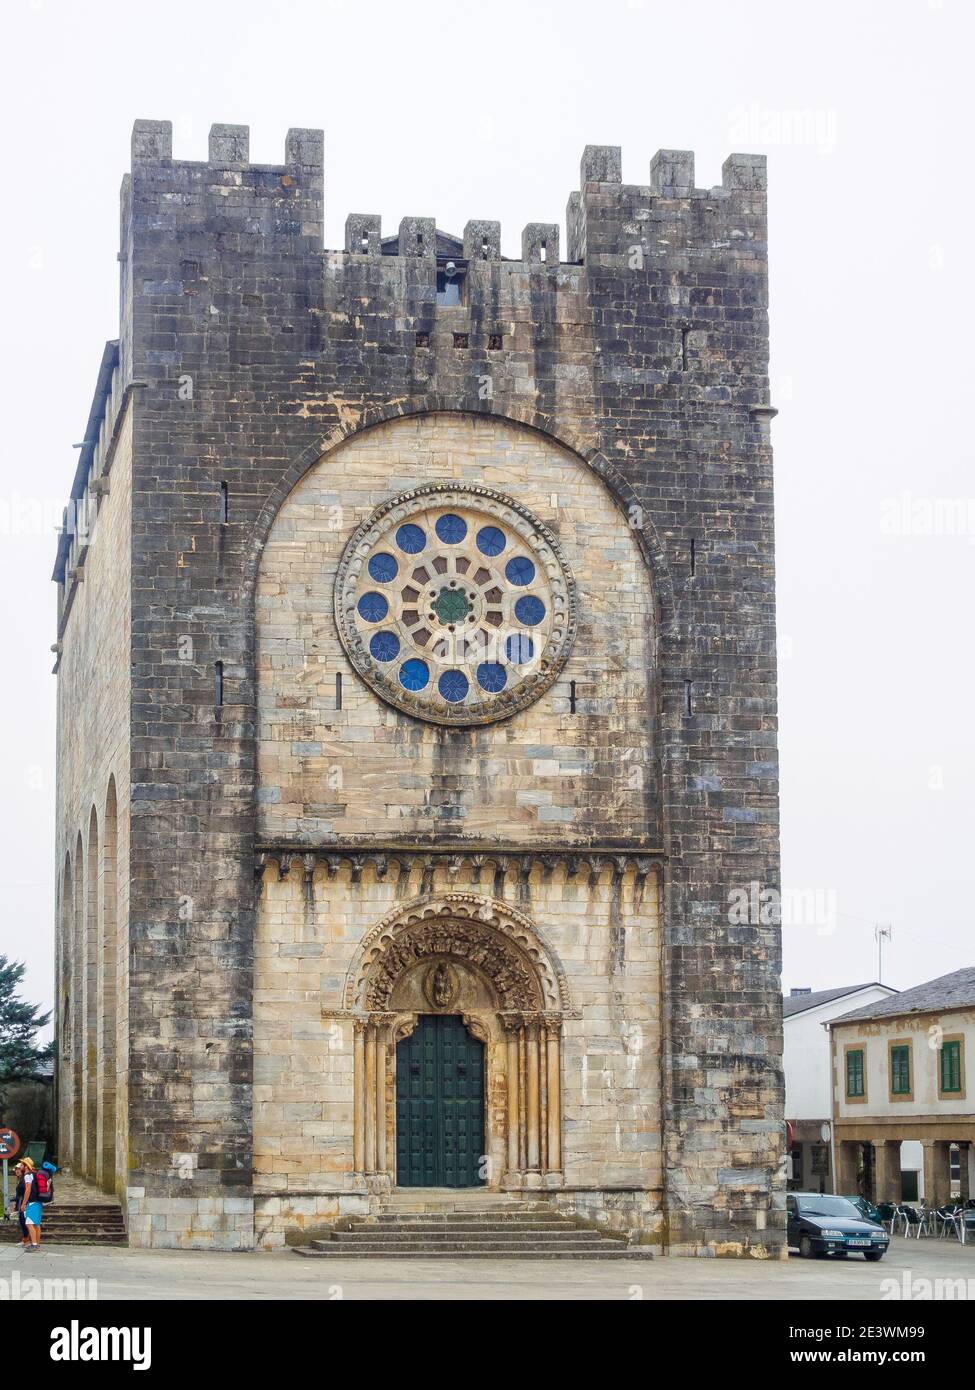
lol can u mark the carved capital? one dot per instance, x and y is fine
(476, 1027)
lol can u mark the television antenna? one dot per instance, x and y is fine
(881, 934)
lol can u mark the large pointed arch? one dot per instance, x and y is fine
(89, 978)
(78, 979)
(108, 992)
(65, 1006)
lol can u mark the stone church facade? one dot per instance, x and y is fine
(416, 712)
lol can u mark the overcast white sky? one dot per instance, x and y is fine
(482, 111)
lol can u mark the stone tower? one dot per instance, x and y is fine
(417, 713)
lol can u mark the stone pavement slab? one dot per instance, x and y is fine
(155, 1275)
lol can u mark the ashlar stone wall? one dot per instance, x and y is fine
(93, 810)
(309, 932)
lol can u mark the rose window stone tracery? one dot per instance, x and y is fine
(455, 604)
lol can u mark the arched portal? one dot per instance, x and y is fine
(480, 964)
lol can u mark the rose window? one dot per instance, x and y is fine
(455, 604)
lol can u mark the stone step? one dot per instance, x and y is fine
(82, 1223)
(605, 1250)
(84, 1209)
(101, 1222)
(485, 1230)
(487, 1214)
(75, 1223)
(82, 1213)
(453, 1218)
(456, 1198)
(412, 1230)
(439, 1238)
(109, 1218)
(80, 1228)
(70, 1219)
(437, 1206)
(60, 1238)
(514, 1242)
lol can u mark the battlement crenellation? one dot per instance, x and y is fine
(288, 198)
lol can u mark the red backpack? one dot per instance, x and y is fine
(43, 1186)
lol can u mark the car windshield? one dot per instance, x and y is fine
(829, 1206)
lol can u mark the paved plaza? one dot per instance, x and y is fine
(139, 1274)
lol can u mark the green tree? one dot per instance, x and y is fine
(20, 1055)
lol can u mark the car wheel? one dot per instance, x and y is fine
(873, 1255)
(805, 1248)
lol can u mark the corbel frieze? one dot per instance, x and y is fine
(514, 866)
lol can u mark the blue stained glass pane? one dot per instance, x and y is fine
(453, 686)
(530, 610)
(519, 648)
(414, 674)
(490, 541)
(491, 676)
(519, 570)
(372, 607)
(451, 528)
(384, 645)
(383, 567)
(411, 538)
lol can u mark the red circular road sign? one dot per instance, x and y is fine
(9, 1142)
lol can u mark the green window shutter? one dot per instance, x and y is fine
(854, 1073)
(951, 1066)
(900, 1071)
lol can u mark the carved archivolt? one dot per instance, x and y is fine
(491, 937)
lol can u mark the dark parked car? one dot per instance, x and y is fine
(821, 1224)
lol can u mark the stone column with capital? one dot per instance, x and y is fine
(359, 1094)
(370, 1098)
(513, 1175)
(532, 1099)
(937, 1177)
(553, 1062)
(847, 1165)
(887, 1170)
(380, 1103)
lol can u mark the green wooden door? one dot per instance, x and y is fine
(439, 1104)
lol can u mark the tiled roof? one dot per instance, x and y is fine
(954, 991)
(799, 1003)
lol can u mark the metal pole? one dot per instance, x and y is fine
(833, 1175)
(4, 1189)
(881, 934)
